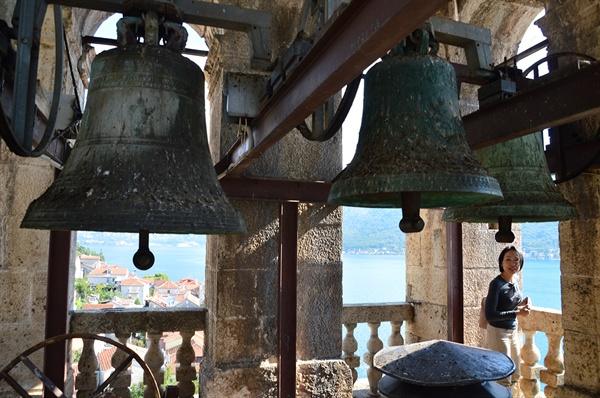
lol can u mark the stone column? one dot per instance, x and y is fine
(23, 256)
(23, 261)
(242, 270)
(575, 26)
(426, 279)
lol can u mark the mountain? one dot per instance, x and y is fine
(366, 230)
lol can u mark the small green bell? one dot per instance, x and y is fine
(530, 195)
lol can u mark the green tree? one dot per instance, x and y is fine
(106, 293)
(82, 292)
(137, 390)
(82, 288)
(158, 276)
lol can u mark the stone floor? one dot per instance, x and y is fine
(361, 388)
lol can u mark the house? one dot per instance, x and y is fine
(134, 288)
(166, 288)
(187, 300)
(109, 275)
(84, 264)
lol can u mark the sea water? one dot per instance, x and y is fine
(366, 279)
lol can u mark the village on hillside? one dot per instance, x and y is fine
(132, 291)
(135, 291)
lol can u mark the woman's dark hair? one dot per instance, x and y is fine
(503, 253)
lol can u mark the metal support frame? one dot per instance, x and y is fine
(455, 290)
(361, 33)
(57, 305)
(558, 102)
(474, 40)
(255, 23)
(288, 265)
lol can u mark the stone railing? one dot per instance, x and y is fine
(122, 323)
(549, 322)
(373, 315)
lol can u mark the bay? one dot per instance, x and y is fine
(177, 262)
(366, 279)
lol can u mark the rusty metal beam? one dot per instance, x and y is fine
(361, 33)
(57, 306)
(288, 269)
(558, 102)
(190, 11)
(455, 291)
(275, 190)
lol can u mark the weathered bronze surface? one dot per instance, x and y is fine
(530, 195)
(141, 160)
(443, 363)
(412, 140)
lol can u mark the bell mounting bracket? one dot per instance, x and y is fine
(19, 132)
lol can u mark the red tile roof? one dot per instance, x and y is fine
(114, 270)
(132, 281)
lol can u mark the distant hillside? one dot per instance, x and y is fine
(372, 231)
(540, 240)
(365, 230)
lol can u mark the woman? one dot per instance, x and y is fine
(503, 304)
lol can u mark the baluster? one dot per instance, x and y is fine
(87, 379)
(349, 347)
(121, 384)
(374, 345)
(530, 369)
(155, 360)
(553, 375)
(395, 336)
(186, 371)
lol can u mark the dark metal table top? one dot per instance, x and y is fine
(443, 363)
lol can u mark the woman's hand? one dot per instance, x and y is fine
(524, 309)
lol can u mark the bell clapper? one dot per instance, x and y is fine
(504, 234)
(411, 220)
(143, 259)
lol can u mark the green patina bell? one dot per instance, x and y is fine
(412, 152)
(530, 195)
(141, 161)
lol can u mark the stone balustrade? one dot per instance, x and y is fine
(122, 323)
(549, 322)
(373, 315)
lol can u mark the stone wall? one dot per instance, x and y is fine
(23, 255)
(23, 261)
(24, 252)
(575, 26)
(242, 271)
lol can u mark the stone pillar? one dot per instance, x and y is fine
(242, 270)
(426, 279)
(23, 261)
(23, 257)
(575, 26)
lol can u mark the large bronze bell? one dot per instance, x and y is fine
(412, 150)
(141, 161)
(530, 195)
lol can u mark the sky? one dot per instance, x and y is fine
(351, 125)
